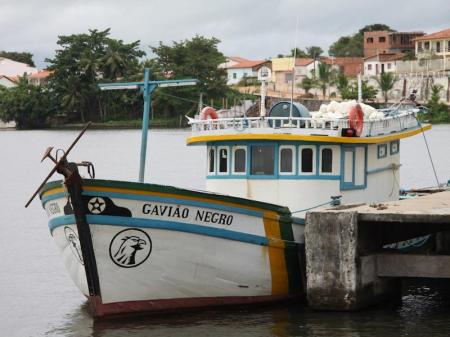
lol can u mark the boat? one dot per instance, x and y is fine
(133, 247)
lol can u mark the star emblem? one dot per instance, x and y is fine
(96, 205)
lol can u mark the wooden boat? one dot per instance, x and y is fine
(134, 247)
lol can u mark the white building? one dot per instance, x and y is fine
(238, 68)
(382, 63)
(13, 68)
(7, 81)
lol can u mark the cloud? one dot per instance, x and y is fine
(251, 28)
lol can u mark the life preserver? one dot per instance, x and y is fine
(356, 119)
(208, 112)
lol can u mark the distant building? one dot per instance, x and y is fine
(8, 81)
(349, 66)
(434, 44)
(282, 70)
(238, 68)
(382, 63)
(39, 78)
(382, 42)
(13, 68)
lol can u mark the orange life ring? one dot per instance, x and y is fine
(356, 119)
(208, 112)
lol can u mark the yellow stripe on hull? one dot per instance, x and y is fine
(278, 268)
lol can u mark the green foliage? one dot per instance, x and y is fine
(298, 53)
(29, 106)
(351, 91)
(325, 77)
(307, 84)
(197, 58)
(341, 81)
(438, 111)
(23, 57)
(82, 61)
(314, 52)
(386, 82)
(354, 45)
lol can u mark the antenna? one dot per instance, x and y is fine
(293, 71)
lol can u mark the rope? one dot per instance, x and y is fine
(307, 209)
(428, 150)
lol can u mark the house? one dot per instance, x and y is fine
(382, 42)
(8, 81)
(236, 71)
(433, 45)
(13, 68)
(349, 66)
(381, 63)
(282, 71)
(39, 78)
(231, 61)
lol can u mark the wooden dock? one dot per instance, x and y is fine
(347, 266)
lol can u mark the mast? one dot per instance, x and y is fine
(293, 72)
(146, 87)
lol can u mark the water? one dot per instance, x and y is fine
(37, 298)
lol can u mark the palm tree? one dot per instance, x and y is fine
(386, 82)
(114, 61)
(325, 77)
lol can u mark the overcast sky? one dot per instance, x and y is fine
(254, 29)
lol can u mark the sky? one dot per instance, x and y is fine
(253, 29)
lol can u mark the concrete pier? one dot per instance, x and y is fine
(346, 265)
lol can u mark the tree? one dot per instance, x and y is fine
(314, 52)
(307, 84)
(341, 81)
(386, 82)
(298, 53)
(81, 61)
(354, 45)
(28, 105)
(368, 92)
(438, 111)
(23, 57)
(197, 58)
(325, 76)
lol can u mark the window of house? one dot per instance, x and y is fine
(234, 75)
(389, 66)
(438, 47)
(307, 160)
(448, 45)
(222, 160)
(327, 161)
(262, 160)
(419, 46)
(426, 45)
(382, 39)
(287, 161)
(288, 77)
(370, 40)
(239, 160)
(211, 160)
(369, 67)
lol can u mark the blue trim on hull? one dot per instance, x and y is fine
(161, 224)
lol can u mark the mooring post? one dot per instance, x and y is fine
(339, 277)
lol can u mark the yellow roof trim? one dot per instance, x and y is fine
(309, 138)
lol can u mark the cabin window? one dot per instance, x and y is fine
(263, 159)
(223, 160)
(394, 147)
(287, 160)
(239, 160)
(211, 160)
(382, 151)
(327, 161)
(307, 160)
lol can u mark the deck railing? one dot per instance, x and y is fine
(300, 125)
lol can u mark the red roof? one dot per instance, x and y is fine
(247, 64)
(40, 74)
(236, 59)
(303, 61)
(443, 34)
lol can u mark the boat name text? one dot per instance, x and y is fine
(183, 213)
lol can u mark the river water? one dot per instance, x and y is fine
(37, 298)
